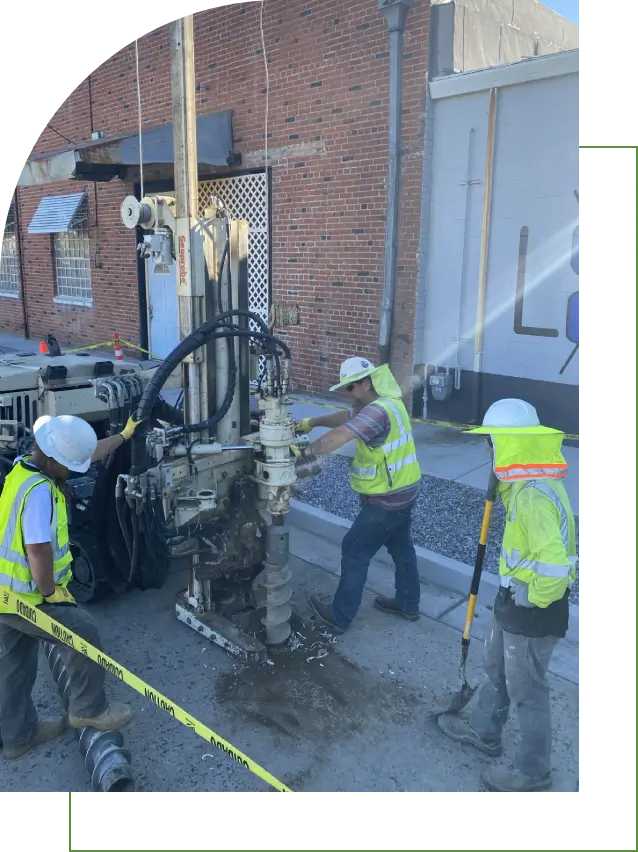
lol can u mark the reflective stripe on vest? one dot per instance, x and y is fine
(530, 471)
(513, 560)
(9, 554)
(363, 471)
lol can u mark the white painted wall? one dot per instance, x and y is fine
(535, 175)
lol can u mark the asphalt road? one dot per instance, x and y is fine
(354, 720)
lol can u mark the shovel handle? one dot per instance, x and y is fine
(480, 555)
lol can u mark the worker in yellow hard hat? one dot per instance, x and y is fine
(386, 474)
(35, 564)
(531, 612)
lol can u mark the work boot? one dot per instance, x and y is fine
(47, 730)
(324, 611)
(390, 605)
(458, 729)
(500, 779)
(115, 716)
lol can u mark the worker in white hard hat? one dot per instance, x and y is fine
(386, 474)
(531, 611)
(35, 563)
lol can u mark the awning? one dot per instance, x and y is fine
(105, 159)
(55, 213)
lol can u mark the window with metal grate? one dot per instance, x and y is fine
(71, 252)
(9, 264)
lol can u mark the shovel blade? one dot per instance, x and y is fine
(454, 702)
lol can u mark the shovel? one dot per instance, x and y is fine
(456, 701)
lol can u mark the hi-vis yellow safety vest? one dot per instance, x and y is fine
(14, 565)
(392, 466)
(552, 567)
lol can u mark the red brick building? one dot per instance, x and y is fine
(328, 68)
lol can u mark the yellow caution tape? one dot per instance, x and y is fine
(11, 603)
(428, 421)
(106, 344)
(102, 345)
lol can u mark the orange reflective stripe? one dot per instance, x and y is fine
(531, 471)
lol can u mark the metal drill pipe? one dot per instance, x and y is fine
(106, 760)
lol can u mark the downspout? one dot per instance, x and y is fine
(479, 333)
(395, 13)
(96, 253)
(23, 283)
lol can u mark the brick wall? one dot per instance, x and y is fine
(329, 84)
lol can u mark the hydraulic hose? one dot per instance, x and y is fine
(226, 332)
(210, 330)
(168, 413)
(238, 312)
(218, 294)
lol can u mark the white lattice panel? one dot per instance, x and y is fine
(245, 197)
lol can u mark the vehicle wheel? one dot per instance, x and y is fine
(87, 584)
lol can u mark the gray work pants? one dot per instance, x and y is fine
(19, 641)
(516, 673)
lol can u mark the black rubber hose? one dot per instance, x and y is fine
(120, 507)
(228, 332)
(168, 413)
(152, 391)
(218, 294)
(135, 552)
(238, 312)
(224, 407)
(184, 348)
(209, 330)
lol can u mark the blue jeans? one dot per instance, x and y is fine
(372, 529)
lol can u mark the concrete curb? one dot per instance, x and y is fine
(434, 568)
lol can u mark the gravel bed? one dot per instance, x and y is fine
(446, 519)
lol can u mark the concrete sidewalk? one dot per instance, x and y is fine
(316, 536)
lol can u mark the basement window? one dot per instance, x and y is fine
(10, 267)
(71, 254)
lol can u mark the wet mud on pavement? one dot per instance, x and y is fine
(309, 691)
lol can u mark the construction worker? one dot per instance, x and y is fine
(531, 611)
(386, 474)
(35, 564)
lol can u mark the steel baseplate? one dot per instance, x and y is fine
(221, 631)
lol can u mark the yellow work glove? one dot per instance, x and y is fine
(303, 427)
(131, 426)
(60, 596)
(294, 449)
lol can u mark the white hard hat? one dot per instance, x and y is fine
(41, 421)
(353, 370)
(511, 414)
(67, 439)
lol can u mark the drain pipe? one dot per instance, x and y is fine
(105, 758)
(485, 243)
(395, 13)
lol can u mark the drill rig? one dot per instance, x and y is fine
(210, 493)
